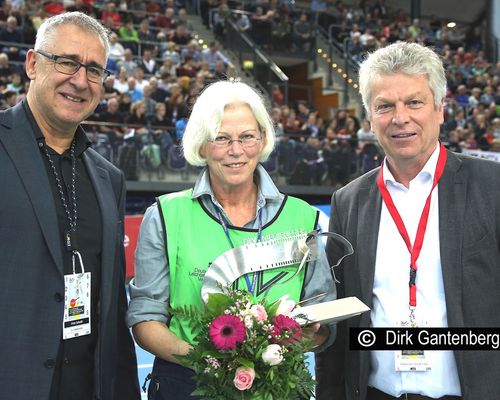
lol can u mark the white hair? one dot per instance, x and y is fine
(206, 118)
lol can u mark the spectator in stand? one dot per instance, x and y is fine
(134, 91)
(261, 26)
(166, 21)
(487, 97)
(116, 50)
(109, 89)
(281, 31)
(173, 54)
(192, 50)
(147, 38)
(278, 98)
(160, 122)
(303, 33)
(212, 54)
(180, 35)
(188, 68)
(137, 119)
(153, 7)
(128, 62)
(111, 16)
(454, 142)
(158, 94)
(168, 69)
(125, 103)
(474, 98)
(54, 7)
(478, 124)
(311, 126)
(129, 36)
(16, 84)
(292, 125)
(121, 84)
(149, 103)
(485, 142)
(242, 21)
(139, 78)
(148, 63)
(82, 6)
(9, 99)
(204, 75)
(219, 20)
(6, 69)
(276, 120)
(182, 19)
(11, 33)
(112, 125)
(175, 102)
(461, 97)
(365, 133)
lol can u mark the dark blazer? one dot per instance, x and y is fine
(469, 224)
(31, 272)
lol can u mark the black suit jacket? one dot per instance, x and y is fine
(31, 272)
(469, 225)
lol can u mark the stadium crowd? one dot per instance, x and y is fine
(159, 68)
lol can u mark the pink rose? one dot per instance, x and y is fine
(259, 312)
(243, 378)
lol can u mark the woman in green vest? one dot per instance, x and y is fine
(233, 201)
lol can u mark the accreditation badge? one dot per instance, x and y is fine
(411, 360)
(76, 321)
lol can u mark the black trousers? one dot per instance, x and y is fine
(171, 381)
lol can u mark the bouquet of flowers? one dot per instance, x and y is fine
(248, 349)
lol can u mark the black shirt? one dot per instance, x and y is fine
(74, 370)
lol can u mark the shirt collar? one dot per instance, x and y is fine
(82, 141)
(427, 172)
(267, 191)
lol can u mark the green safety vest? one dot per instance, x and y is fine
(194, 238)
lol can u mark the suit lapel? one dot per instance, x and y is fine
(19, 142)
(369, 207)
(107, 204)
(452, 194)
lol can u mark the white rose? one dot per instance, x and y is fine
(272, 354)
(286, 306)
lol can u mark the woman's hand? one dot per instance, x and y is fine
(319, 334)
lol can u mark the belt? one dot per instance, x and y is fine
(375, 394)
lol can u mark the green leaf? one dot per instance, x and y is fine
(245, 362)
(218, 302)
(272, 309)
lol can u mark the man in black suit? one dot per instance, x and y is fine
(62, 292)
(426, 231)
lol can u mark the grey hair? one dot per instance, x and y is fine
(405, 58)
(208, 111)
(45, 33)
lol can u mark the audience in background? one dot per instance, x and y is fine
(158, 38)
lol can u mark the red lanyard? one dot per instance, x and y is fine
(422, 225)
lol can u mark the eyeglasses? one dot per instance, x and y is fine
(246, 140)
(68, 66)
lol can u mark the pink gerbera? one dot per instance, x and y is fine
(226, 331)
(284, 324)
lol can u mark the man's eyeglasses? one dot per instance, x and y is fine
(68, 66)
(246, 140)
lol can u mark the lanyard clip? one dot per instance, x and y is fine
(413, 276)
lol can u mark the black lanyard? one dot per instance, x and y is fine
(70, 234)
